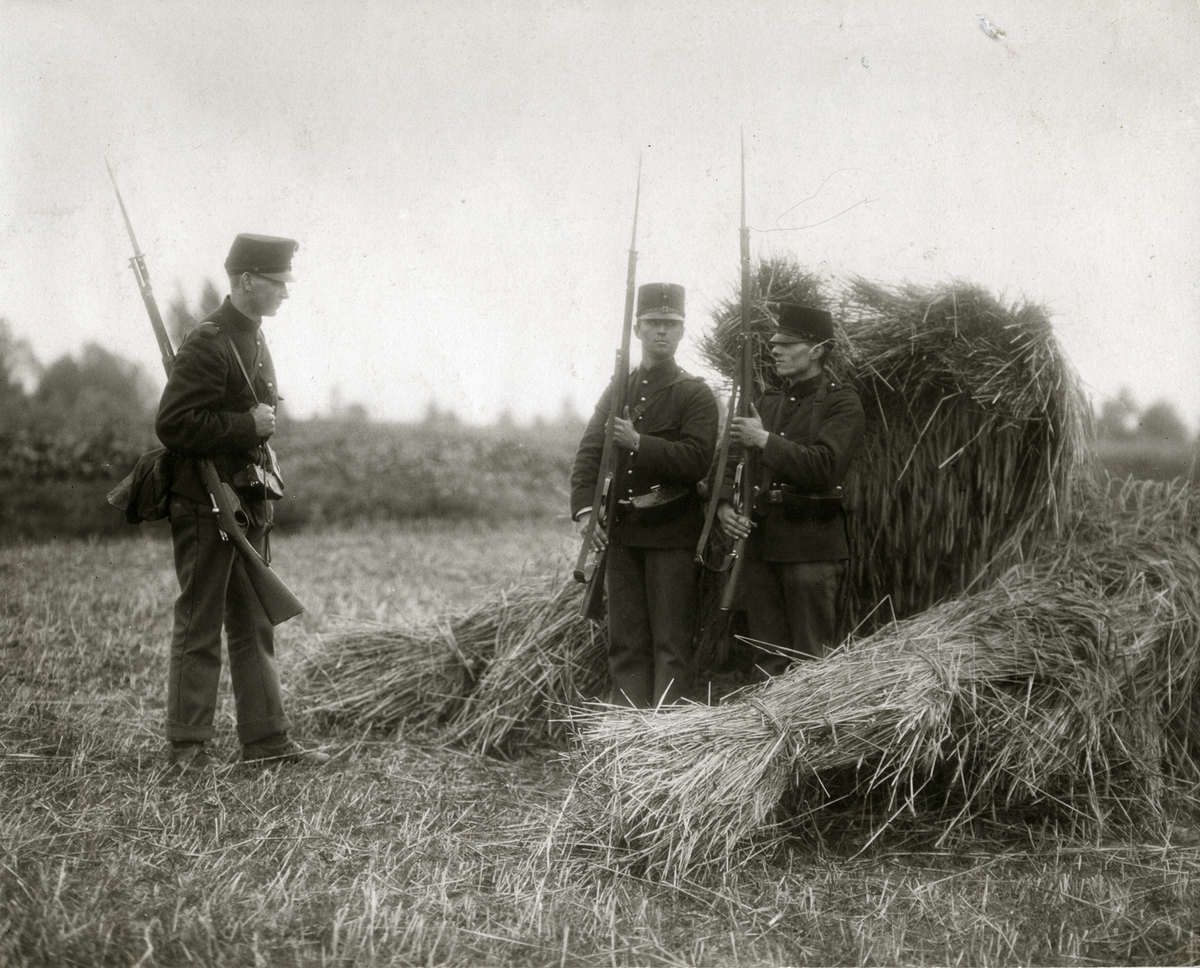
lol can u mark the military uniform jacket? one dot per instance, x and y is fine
(676, 415)
(205, 407)
(810, 446)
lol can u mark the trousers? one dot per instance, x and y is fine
(652, 605)
(793, 605)
(215, 592)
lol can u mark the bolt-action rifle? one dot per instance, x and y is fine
(745, 483)
(276, 598)
(604, 494)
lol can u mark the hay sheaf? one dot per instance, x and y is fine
(976, 428)
(492, 676)
(1070, 684)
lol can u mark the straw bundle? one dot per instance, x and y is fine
(382, 677)
(976, 428)
(1069, 683)
(492, 674)
(551, 660)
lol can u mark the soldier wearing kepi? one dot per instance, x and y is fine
(219, 403)
(665, 442)
(809, 430)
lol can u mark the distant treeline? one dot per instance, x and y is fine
(72, 429)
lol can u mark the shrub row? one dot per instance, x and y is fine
(336, 473)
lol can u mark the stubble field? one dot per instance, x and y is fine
(405, 851)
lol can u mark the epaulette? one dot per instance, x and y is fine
(205, 330)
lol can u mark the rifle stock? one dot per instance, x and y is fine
(718, 480)
(276, 598)
(604, 494)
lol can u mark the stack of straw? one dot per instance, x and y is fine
(976, 429)
(1070, 683)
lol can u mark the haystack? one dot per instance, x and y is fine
(1069, 684)
(976, 427)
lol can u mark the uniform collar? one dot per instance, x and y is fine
(229, 316)
(659, 375)
(803, 388)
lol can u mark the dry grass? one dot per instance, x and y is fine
(408, 852)
(1068, 686)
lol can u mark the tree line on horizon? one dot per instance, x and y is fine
(97, 394)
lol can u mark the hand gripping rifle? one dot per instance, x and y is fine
(604, 496)
(746, 479)
(276, 598)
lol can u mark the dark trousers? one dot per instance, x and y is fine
(652, 602)
(214, 590)
(793, 605)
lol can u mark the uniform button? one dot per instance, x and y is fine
(783, 433)
(630, 471)
(793, 399)
(643, 399)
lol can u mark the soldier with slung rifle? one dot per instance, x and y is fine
(665, 442)
(806, 432)
(219, 403)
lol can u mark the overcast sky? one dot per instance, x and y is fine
(460, 175)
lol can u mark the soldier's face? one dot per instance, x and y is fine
(267, 294)
(659, 338)
(797, 360)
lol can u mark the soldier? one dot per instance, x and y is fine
(219, 403)
(665, 442)
(797, 550)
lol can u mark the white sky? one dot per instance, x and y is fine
(460, 174)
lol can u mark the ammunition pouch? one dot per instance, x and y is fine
(798, 506)
(260, 481)
(662, 504)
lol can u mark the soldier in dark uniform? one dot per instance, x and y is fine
(796, 553)
(219, 403)
(665, 443)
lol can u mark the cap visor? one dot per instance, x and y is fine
(676, 317)
(277, 276)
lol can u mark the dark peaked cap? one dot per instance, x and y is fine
(660, 300)
(798, 323)
(264, 255)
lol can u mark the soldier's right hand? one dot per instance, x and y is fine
(264, 420)
(733, 524)
(599, 539)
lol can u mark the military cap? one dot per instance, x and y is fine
(802, 324)
(264, 255)
(660, 300)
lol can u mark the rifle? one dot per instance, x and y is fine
(718, 478)
(604, 493)
(276, 598)
(745, 483)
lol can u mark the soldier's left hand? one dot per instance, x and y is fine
(624, 433)
(749, 431)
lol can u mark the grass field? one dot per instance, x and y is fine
(407, 852)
